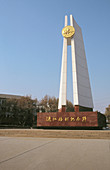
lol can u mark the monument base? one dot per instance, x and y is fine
(71, 119)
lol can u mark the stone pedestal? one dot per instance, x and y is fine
(63, 109)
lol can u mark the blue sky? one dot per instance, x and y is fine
(31, 46)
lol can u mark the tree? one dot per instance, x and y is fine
(50, 104)
(18, 111)
(69, 107)
(107, 113)
(23, 111)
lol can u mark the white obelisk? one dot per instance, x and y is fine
(81, 85)
(63, 80)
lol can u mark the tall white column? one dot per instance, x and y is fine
(63, 79)
(74, 68)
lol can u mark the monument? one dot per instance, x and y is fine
(83, 115)
(81, 86)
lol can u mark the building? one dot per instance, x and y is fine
(3, 97)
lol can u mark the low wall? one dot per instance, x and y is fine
(71, 119)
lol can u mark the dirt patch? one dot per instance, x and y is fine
(74, 134)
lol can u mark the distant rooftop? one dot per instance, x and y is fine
(8, 96)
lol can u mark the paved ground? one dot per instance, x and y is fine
(20, 153)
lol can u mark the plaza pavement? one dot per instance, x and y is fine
(27, 153)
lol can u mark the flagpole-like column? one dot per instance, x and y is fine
(74, 70)
(63, 79)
